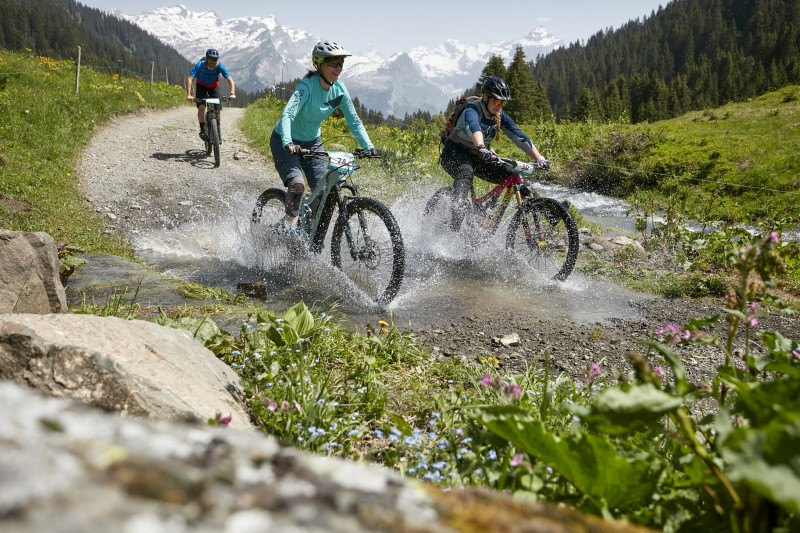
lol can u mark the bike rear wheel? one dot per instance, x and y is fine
(377, 262)
(269, 214)
(214, 139)
(545, 234)
(439, 209)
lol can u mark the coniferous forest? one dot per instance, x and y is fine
(691, 54)
(55, 28)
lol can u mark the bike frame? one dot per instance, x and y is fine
(327, 196)
(509, 188)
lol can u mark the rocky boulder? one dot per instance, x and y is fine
(131, 367)
(29, 274)
(65, 468)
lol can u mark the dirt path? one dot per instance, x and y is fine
(147, 171)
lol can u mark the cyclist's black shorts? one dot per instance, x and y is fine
(208, 92)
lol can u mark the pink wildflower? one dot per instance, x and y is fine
(658, 371)
(773, 236)
(516, 460)
(487, 380)
(753, 321)
(513, 390)
(596, 369)
(272, 406)
(284, 404)
(297, 406)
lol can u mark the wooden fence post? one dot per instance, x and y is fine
(166, 75)
(152, 66)
(78, 72)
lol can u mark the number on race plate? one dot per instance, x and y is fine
(342, 162)
(212, 100)
(524, 169)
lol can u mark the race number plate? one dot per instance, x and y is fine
(212, 100)
(341, 162)
(524, 169)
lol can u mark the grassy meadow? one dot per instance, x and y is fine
(45, 127)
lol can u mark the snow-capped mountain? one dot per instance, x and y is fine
(259, 52)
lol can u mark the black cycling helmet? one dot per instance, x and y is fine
(497, 88)
(212, 53)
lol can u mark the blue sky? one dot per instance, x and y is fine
(403, 24)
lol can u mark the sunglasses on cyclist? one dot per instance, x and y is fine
(336, 63)
(500, 103)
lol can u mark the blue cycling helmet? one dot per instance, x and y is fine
(212, 53)
(497, 88)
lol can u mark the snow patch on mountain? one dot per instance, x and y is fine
(260, 52)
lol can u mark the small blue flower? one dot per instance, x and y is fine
(491, 454)
(257, 355)
(378, 434)
(352, 433)
(441, 465)
(334, 404)
(396, 432)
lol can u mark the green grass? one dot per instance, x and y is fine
(44, 128)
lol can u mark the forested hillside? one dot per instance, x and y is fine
(691, 54)
(55, 28)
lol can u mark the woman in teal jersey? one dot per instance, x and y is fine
(316, 97)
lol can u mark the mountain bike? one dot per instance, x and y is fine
(366, 243)
(541, 229)
(212, 131)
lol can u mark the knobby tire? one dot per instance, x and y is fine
(214, 137)
(544, 232)
(379, 264)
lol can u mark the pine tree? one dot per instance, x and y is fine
(523, 90)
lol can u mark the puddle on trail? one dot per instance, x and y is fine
(444, 281)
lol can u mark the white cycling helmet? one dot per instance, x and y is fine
(327, 49)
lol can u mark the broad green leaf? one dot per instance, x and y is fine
(301, 319)
(616, 411)
(589, 462)
(766, 462)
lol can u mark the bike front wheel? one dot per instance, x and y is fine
(214, 139)
(545, 234)
(367, 246)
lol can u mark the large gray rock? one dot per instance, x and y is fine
(66, 468)
(131, 367)
(29, 280)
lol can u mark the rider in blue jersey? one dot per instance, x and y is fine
(314, 99)
(468, 152)
(207, 72)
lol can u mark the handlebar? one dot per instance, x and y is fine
(359, 153)
(203, 100)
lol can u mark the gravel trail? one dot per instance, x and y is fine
(149, 170)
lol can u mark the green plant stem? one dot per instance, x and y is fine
(682, 420)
